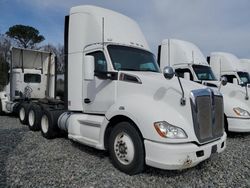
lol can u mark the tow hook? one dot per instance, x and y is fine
(187, 163)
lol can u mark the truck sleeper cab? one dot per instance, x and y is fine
(118, 100)
(190, 63)
(228, 65)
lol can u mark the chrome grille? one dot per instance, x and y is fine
(204, 115)
(208, 114)
(219, 116)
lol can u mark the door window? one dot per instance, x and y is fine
(230, 78)
(181, 72)
(100, 61)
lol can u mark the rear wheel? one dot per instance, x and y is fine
(16, 109)
(49, 127)
(34, 117)
(23, 113)
(126, 148)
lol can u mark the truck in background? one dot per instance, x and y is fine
(245, 64)
(117, 99)
(191, 64)
(31, 77)
(228, 65)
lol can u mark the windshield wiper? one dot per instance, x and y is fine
(148, 70)
(145, 70)
(127, 69)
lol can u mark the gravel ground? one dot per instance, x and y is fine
(29, 160)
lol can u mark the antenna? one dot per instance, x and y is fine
(220, 69)
(103, 33)
(168, 52)
(192, 56)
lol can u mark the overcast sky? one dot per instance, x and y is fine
(213, 25)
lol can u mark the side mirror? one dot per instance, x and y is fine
(89, 67)
(223, 80)
(235, 81)
(187, 75)
(242, 84)
(168, 72)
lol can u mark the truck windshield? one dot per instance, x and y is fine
(203, 72)
(244, 77)
(132, 59)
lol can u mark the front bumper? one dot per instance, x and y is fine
(180, 156)
(238, 124)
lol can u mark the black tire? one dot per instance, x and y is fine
(23, 113)
(226, 124)
(49, 127)
(1, 109)
(16, 109)
(137, 163)
(34, 117)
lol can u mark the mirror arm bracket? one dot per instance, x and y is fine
(247, 97)
(183, 99)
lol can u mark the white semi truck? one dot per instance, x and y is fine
(31, 77)
(117, 99)
(246, 65)
(228, 65)
(190, 63)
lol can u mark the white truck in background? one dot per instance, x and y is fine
(229, 66)
(190, 63)
(31, 77)
(117, 99)
(245, 64)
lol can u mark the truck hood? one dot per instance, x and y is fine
(228, 89)
(233, 95)
(157, 80)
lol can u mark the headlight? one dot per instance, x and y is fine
(241, 112)
(167, 130)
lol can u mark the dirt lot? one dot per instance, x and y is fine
(29, 160)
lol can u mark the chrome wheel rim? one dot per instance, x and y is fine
(45, 124)
(22, 113)
(31, 118)
(124, 148)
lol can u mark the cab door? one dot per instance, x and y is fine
(98, 94)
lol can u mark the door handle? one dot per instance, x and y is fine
(87, 100)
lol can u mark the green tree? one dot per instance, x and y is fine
(25, 36)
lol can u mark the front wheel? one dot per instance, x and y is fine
(126, 148)
(1, 108)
